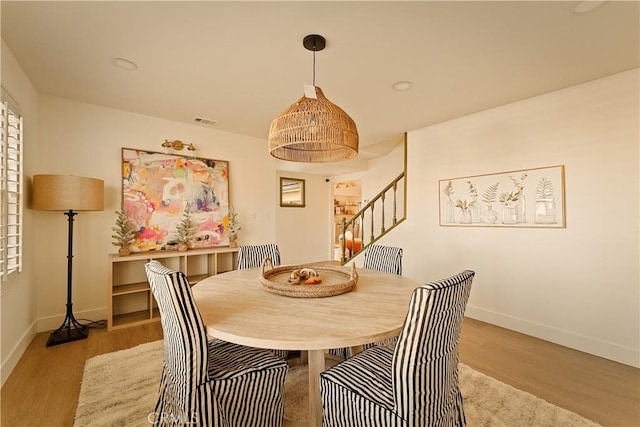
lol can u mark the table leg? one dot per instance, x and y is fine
(316, 365)
(356, 349)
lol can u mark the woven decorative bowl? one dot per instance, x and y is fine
(334, 280)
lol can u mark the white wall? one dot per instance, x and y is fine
(301, 232)
(83, 139)
(18, 309)
(578, 286)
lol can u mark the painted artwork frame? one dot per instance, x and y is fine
(158, 187)
(521, 198)
(292, 193)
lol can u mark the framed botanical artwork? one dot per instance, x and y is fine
(157, 190)
(521, 198)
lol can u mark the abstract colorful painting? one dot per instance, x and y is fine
(158, 187)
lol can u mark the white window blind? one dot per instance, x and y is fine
(11, 219)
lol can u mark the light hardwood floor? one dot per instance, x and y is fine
(43, 389)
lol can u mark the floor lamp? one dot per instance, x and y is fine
(70, 194)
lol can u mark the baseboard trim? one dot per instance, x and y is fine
(608, 350)
(51, 323)
(9, 364)
(42, 324)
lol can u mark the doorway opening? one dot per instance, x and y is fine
(347, 201)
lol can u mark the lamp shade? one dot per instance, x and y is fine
(313, 130)
(67, 192)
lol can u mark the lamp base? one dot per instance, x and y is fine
(65, 335)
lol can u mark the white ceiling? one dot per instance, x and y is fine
(241, 63)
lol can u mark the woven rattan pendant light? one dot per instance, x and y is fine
(313, 129)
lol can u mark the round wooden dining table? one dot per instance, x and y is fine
(235, 308)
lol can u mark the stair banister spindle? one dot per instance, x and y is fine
(395, 192)
(382, 213)
(372, 221)
(343, 241)
(353, 237)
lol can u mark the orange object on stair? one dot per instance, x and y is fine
(356, 244)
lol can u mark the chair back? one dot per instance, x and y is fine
(425, 361)
(185, 336)
(387, 259)
(251, 256)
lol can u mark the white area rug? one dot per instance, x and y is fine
(120, 389)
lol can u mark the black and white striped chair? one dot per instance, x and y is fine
(251, 256)
(387, 259)
(383, 258)
(417, 384)
(209, 382)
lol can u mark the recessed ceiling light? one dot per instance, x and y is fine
(125, 64)
(589, 6)
(402, 85)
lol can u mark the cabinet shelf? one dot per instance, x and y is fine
(130, 300)
(131, 288)
(195, 279)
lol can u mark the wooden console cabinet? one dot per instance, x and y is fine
(130, 300)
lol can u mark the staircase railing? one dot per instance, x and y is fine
(373, 217)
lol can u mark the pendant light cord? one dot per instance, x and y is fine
(314, 67)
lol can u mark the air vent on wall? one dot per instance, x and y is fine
(203, 121)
